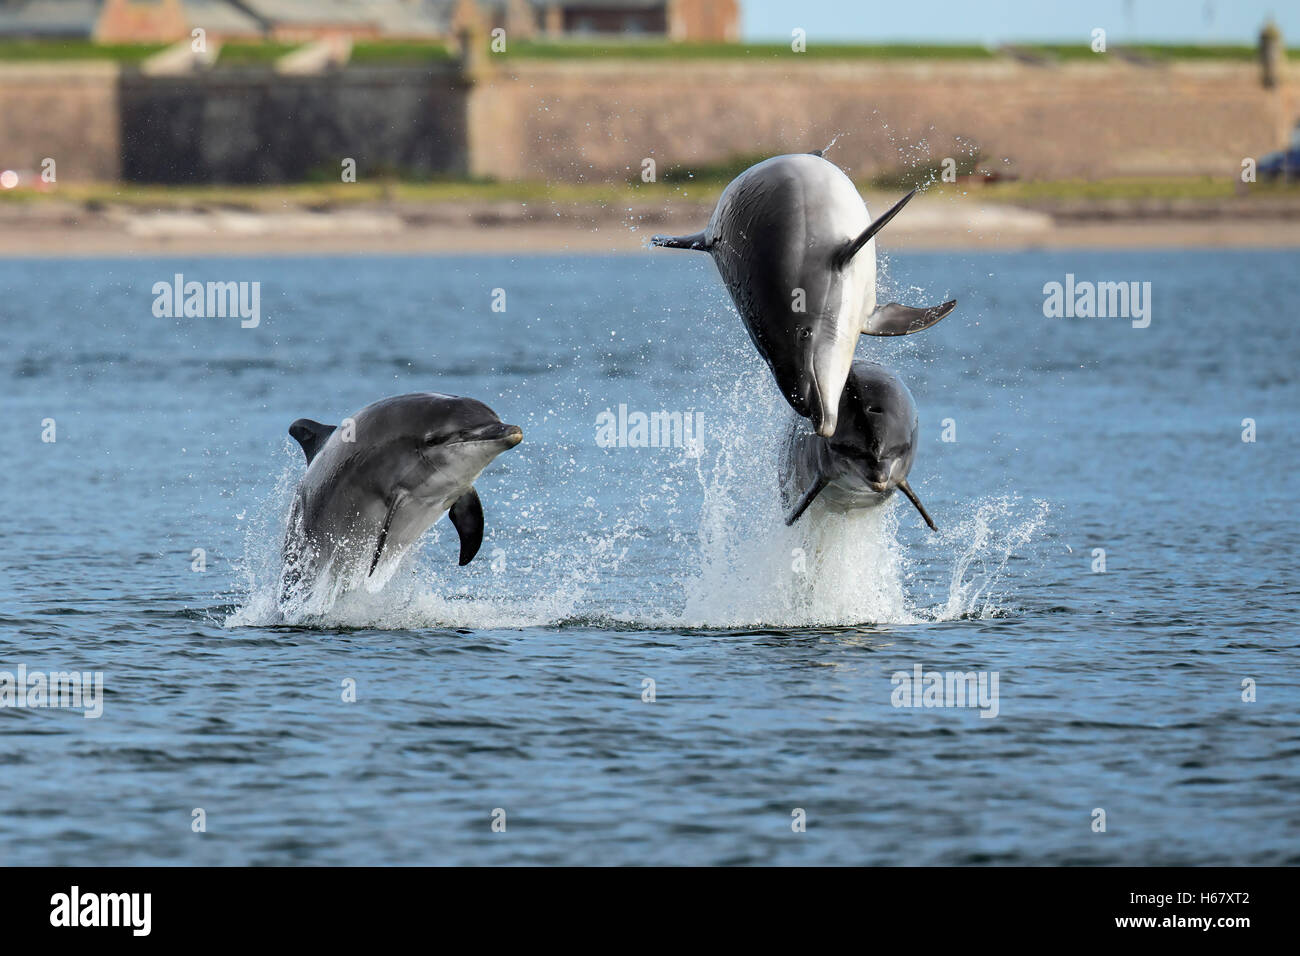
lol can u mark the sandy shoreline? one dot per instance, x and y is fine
(69, 230)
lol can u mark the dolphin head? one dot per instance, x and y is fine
(425, 447)
(875, 440)
(437, 444)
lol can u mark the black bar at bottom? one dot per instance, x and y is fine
(334, 905)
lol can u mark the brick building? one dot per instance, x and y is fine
(689, 20)
(296, 21)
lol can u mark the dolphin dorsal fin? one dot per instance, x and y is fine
(311, 435)
(852, 247)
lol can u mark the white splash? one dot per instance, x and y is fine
(830, 568)
(982, 544)
(425, 588)
(742, 568)
(827, 569)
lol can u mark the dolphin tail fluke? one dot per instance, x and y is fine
(895, 319)
(806, 499)
(906, 489)
(467, 515)
(852, 247)
(696, 241)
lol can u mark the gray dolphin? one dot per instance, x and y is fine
(373, 487)
(869, 455)
(793, 241)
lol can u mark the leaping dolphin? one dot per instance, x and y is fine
(372, 488)
(794, 244)
(868, 457)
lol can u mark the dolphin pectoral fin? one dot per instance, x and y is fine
(851, 248)
(467, 515)
(383, 532)
(906, 489)
(696, 241)
(895, 319)
(310, 435)
(806, 499)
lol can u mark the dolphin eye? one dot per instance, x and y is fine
(432, 439)
(805, 332)
(873, 410)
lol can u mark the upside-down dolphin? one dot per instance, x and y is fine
(867, 458)
(373, 487)
(794, 244)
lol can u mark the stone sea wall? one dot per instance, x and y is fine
(598, 120)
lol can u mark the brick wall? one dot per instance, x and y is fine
(704, 20)
(68, 112)
(133, 21)
(590, 121)
(596, 121)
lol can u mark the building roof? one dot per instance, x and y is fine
(603, 4)
(78, 18)
(220, 16)
(579, 4)
(311, 11)
(414, 17)
(410, 17)
(66, 18)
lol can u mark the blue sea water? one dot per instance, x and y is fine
(515, 689)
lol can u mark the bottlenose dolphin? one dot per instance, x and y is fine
(869, 455)
(374, 486)
(793, 241)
